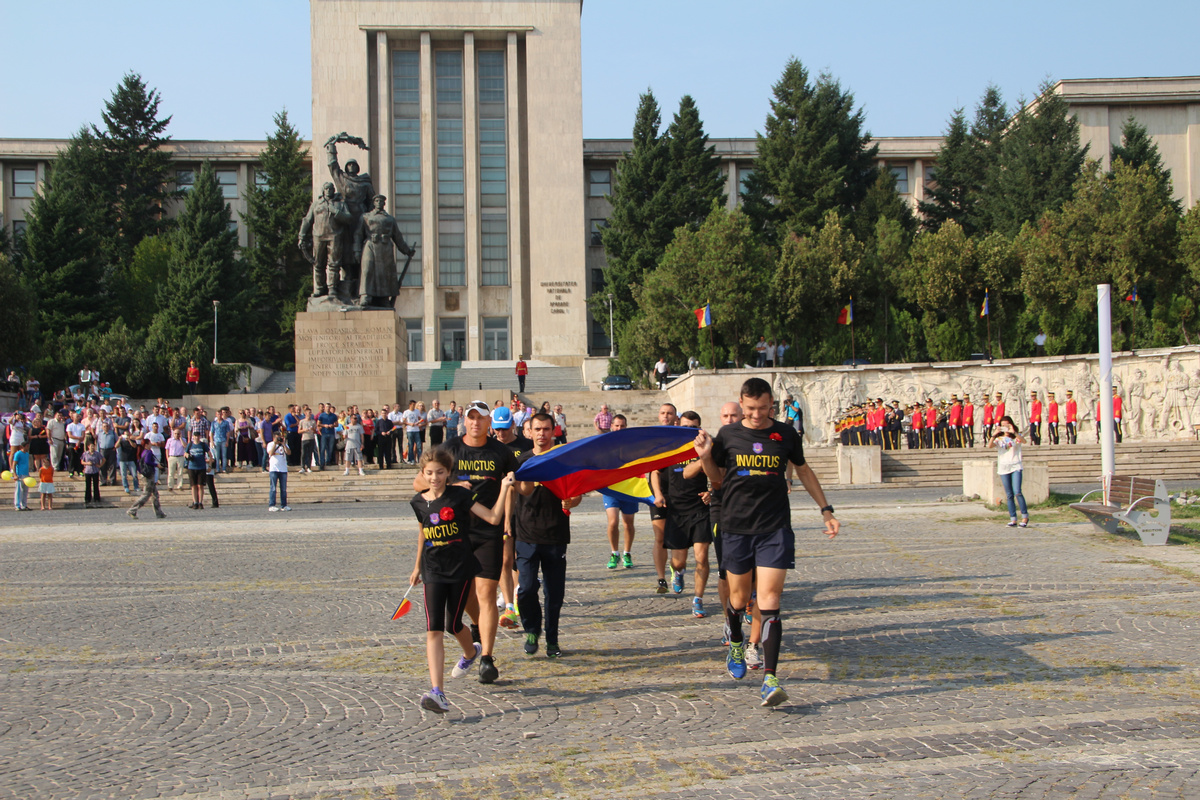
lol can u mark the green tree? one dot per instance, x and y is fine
(942, 280)
(814, 156)
(1040, 160)
(135, 289)
(1137, 148)
(694, 176)
(275, 209)
(17, 341)
(967, 164)
(641, 224)
(950, 194)
(722, 263)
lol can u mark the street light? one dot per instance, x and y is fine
(216, 305)
(612, 343)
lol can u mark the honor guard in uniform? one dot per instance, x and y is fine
(989, 417)
(1051, 418)
(998, 409)
(1116, 414)
(1072, 418)
(955, 422)
(915, 425)
(968, 421)
(1035, 418)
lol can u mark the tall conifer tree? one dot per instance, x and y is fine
(694, 178)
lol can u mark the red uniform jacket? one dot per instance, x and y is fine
(1052, 412)
(1035, 411)
(1072, 411)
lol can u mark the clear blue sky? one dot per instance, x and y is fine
(224, 68)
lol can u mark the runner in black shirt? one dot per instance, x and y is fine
(687, 519)
(543, 530)
(749, 459)
(502, 427)
(667, 415)
(480, 463)
(446, 563)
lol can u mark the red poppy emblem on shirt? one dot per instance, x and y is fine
(775, 437)
(447, 514)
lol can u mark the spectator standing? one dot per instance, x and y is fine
(660, 373)
(198, 425)
(522, 371)
(277, 465)
(39, 442)
(56, 429)
(602, 422)
(75, 433)
(560, 425)
(154, 440)
(127, 453)
(354, 441)
(291, 424)
(760, 352)
(383, 439)
(522, 413)
(176, 453)
(437, 423)
(210, 475)
(192, 377)
(92, 462)
(196, 461)
(20, 469)
(771, 353)
(221, 432)
(106, 442)
(412, 432)
(453, 417)
(308, 440)
(46, 486)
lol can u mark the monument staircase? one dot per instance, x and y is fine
(463, 376)
(1177, 463)
(278, 383)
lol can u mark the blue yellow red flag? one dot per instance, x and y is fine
(846, 315)
(598, 462)
(704, 316)
(635, 490)
(983, 311)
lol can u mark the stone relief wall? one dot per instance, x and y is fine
(1159, 389)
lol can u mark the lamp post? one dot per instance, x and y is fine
(216, 305)
(612, 342)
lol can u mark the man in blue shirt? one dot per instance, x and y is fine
(220, 437)
(326, 435)
(291, 423)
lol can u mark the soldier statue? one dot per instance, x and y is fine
(357, 190)
(322, 239)
(374, 239)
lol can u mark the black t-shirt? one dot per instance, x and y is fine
(383, 425)
(755, 499)
(683, 494)
(539, 518)
(519, 446)
(447, 555)
(484, 468)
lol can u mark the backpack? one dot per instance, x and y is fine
(146, 470)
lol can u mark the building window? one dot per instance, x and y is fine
(901, 176)
(597, 227)
(452, 253)
(599, 182)
(495, 251)
(495, 339)
(185, 179)
(24, 182)
(598, 282)
(227, 180)
(600, 340)
(416, 350)
(493, 169)
(232, 226)
(930, 176)
(406, 152)
(18, 228)
(261, 180)
(454, 339)
(743, 175)
(448, 84)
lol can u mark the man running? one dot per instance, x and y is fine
(542, 529)
(620, 512)
(687, 524)
(667, 415)
(480, 464)
(757, 542)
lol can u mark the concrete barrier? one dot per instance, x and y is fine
(979, 477)
(859, 464)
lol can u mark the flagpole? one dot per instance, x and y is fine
(853, 360)
(712, 342)
(987, 301)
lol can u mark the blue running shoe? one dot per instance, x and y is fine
(698, 608)
(772, 693)
(464, 664)
(736, 661)
(435, 701)
(676, 581)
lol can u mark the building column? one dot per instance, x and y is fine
(385, 180)
(471, 194)
(918, 186)
(518, 322)
(243, 204)
(429, 250)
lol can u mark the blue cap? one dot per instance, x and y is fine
(501, 417)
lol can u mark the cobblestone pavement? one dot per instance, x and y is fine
(929, 651)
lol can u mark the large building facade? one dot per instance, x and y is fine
(472, 113)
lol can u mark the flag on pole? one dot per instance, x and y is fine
(846, 315)
(983, 312)
(1132, 296)
(703, 316)
(598, 462)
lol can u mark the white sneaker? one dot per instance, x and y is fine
(360, 472)
(286, 508)
(753, 659)
(272, 508)
(345, 472)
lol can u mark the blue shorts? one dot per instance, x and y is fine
(741, 553)
(627, 506)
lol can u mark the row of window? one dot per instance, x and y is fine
(452, 339)
(24, 181)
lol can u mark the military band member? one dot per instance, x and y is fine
(955, 421)
(1035, 418)
(930, 424)
(1072, 418)
(1051, 418)
(968, 420)
(916, 427)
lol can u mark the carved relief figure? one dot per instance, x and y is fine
(1176, 416)
(1134, 404)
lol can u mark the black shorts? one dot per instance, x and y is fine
(445, 602)
(196, 477)
(490, 552)
(684, 532)
(657, 512)
(741, 553)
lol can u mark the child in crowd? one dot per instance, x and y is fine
(19, 463)
(446, 563)
(46, 486)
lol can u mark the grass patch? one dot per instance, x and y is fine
(1056, 500)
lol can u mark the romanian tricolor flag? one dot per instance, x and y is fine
(846, 315)
(600, 461)
(635, 489)
(983, 310)
(1132, 296)
(703, 316)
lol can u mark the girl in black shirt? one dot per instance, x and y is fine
(446, 563)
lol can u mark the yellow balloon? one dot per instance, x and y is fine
(6, 475)
(31, 482)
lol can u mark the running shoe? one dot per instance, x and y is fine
(676, 581)
(435, 701)
(627, 560)
(553, 650)
(286, 508)
(662, 586)
(464, 664)
(735, 662)
(487, 670)
(753, 659)
(510, 620)
(698, 608)
(772, 693)
(614, 561)
(531, 643)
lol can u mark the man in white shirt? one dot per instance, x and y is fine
(75, 433)
(57, 430)
(412, 431)
(154, 440)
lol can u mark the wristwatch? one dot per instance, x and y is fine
(827, 508)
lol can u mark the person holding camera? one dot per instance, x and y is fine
(1008, 465)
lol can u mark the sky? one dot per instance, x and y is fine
(224, 68)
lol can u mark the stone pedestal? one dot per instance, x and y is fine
(859, 464)
(979, 477)
(351, 357)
